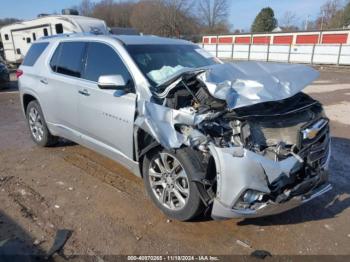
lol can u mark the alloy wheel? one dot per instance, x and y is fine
(36, 124)
(169, 182)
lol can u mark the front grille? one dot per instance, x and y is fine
(315, 150)
(319, 152)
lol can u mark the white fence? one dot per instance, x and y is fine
(309, 54)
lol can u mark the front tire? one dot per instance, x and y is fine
(168, 179)
(37, 126)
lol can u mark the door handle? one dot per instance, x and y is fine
(84, 92)
(44, 81)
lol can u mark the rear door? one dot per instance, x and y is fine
(66, 65)
(106, 116)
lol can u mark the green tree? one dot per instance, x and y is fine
(265, 21)
(346, 16)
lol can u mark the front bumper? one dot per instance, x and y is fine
(219, 211)
(239, 169)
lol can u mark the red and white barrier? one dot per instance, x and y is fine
(287, 38)
(326, 47)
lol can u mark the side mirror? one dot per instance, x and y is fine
(116, 82)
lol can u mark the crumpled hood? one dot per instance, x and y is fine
(240, 84)
(247, 83)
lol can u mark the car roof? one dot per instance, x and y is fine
(125, 39)
(148, 39)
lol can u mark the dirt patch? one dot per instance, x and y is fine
(339, 112)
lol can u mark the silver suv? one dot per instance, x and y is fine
(229, 140)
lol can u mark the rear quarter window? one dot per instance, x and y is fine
(34, 53)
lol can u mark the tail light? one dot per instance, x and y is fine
(19, 73)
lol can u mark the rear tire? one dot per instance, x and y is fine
(169, 183)
(37, 126)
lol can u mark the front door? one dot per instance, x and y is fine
(106, 117)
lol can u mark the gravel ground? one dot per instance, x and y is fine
(107, 210)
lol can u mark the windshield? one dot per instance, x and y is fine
(160, 62)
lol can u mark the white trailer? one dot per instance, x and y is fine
(18, 37)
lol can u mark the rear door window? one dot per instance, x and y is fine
(34, 53)
(67, 58)
(103, 60)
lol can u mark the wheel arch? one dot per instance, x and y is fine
(143, 144)
(26, 99)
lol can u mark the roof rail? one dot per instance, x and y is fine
(69, 35)
(55, 36)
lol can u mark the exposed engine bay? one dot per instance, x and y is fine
(267, 151)
(270, 128)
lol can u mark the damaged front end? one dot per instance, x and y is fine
(266, 141)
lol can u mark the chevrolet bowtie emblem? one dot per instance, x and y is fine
(311, 132)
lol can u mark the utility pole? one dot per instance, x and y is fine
(322, 19)
(307, 23)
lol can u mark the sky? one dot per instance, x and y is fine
(242, 12)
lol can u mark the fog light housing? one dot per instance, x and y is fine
(248, 198)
